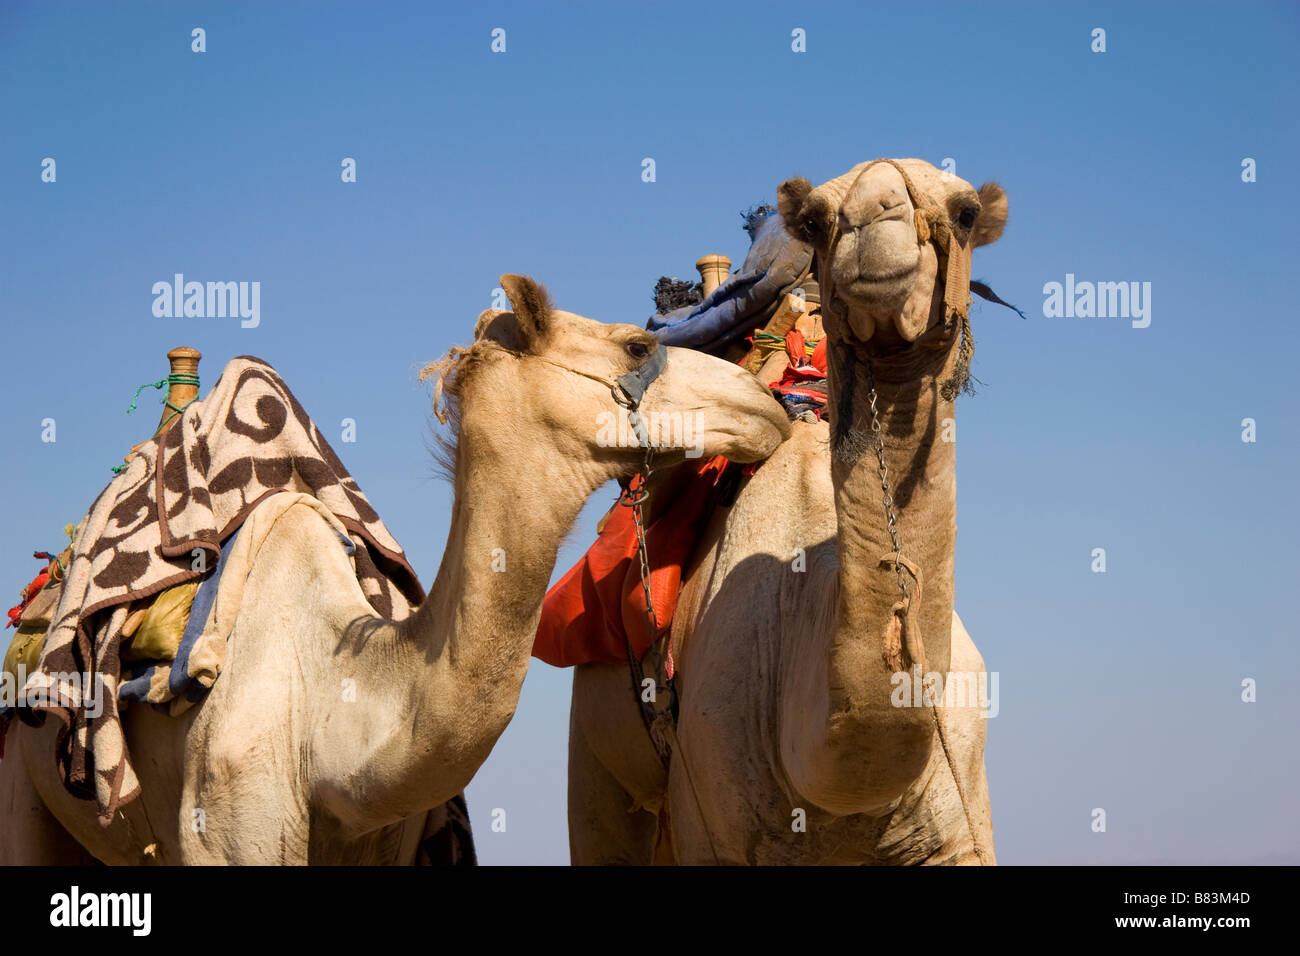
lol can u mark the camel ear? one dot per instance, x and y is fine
(524, 329)
(805, 219)
(501, 327)
(993, 215)
(485, 319)
(789, 200)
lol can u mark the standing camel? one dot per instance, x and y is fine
(801, 621)
(278, 764)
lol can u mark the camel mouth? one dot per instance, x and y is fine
(886, 291)
(748, 447)
(878, 262)
(873, 282)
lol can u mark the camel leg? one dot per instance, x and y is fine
(617, 784)
(971, 729)
(446, 839)
(605, 825)
(29, 833)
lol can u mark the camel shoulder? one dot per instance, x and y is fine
(297, 555)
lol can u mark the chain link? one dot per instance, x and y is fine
(891, 517)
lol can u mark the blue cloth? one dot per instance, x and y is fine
(179, 681)
(775, 261)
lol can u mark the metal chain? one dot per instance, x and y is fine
(891, 516)
(894, 538)
(635, 498)
(661, 725)
(638, 520)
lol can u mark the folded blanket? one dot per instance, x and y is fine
(162, 521)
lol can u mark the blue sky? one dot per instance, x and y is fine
(1118, 690)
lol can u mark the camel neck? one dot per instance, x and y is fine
(846, 745)
(461, 658)
(918, 429)
(509, 518)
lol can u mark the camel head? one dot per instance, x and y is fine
(596, 392)
(893, 240)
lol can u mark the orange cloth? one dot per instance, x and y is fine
(589, 613)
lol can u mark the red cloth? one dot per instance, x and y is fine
(803, 382)
(819, 356)
(16, 615)
(29, 592)
(588, 612)
(801, 367)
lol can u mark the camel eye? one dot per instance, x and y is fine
(638, 350)
(968, 216)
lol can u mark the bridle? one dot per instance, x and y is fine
(628, 389)
(932, 225)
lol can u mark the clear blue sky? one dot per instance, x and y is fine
(1118, 690)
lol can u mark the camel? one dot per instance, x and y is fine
(798, 616)
(276, 763)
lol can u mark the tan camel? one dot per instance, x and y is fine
(276, 765)
(793, 633)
